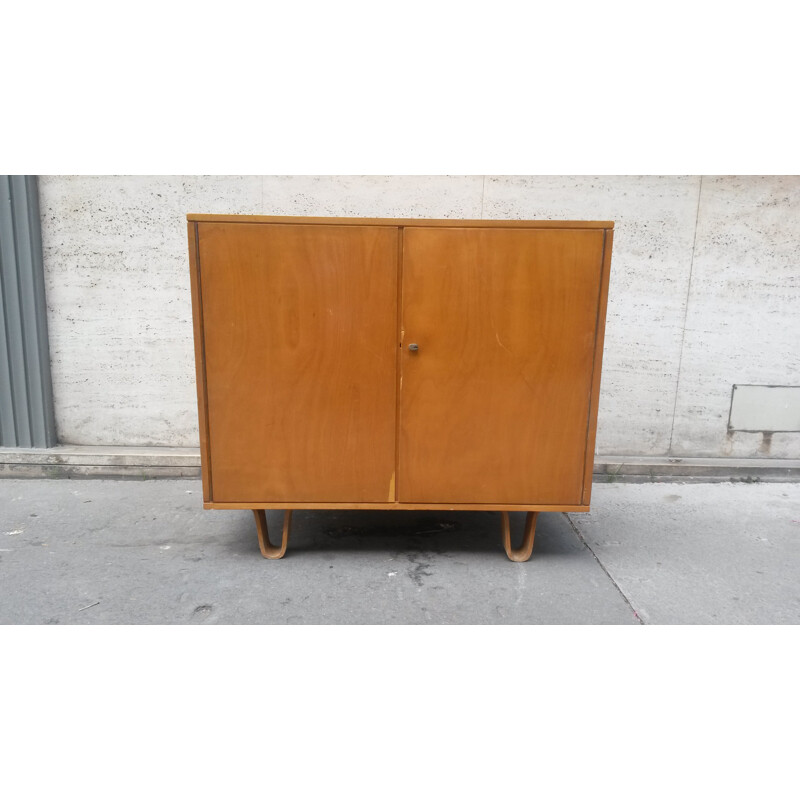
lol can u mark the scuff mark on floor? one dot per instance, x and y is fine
(420, 567)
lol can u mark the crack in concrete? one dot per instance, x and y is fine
(603, 567)
(685, 316)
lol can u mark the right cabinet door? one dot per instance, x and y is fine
(495, 397)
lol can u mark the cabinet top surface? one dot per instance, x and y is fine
(404, 222)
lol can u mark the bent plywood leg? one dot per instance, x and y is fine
(523, 552)
(269, 550)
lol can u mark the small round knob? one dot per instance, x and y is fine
(413, 348)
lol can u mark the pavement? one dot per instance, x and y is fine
(145, 552)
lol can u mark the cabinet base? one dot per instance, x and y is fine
(521, 553)
(268, 550)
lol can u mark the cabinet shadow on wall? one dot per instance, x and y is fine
(396, 532)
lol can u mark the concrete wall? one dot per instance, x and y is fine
(704, 293)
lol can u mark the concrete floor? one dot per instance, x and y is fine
(89, 552)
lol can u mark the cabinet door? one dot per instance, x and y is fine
(299, 327)
(494, 404)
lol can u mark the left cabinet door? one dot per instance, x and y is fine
(299, 326)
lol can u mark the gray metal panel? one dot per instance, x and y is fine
(760, 409)
(34, 312)
(26, 394)
(8, 429)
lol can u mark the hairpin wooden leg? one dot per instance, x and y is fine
(269, 550)
(523, 552)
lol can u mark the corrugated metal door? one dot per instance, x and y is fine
(26, 394)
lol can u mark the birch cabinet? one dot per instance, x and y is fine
(398, 364)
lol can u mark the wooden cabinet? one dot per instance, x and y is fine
(398, 364)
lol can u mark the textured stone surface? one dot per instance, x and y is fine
(119, 308)
(743, 321)
(431, 196)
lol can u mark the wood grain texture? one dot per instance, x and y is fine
(300, 348)
(597, 368)
(199, 360)
(494, 407)
(402, 222)
(523, 552)
(269, 550)
(397, 506)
